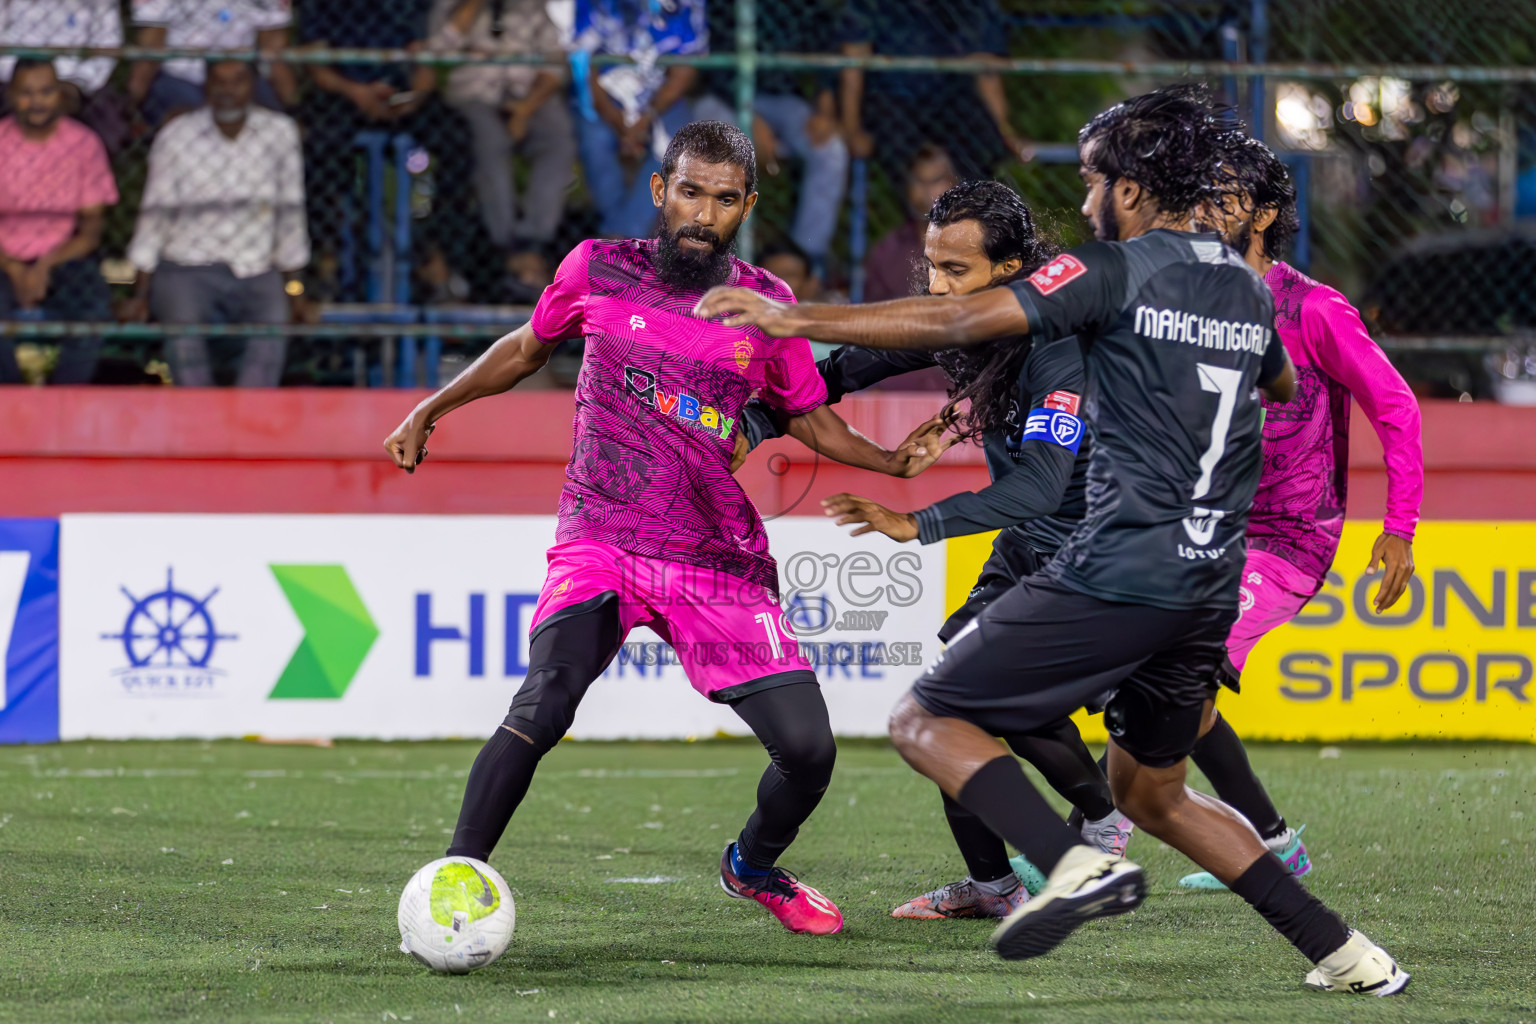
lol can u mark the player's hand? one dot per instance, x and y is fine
(740, 452)
(743, 307)
(922, 448)
(850, 508)
(408, 444)
(1394, 555)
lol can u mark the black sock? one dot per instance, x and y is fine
(498, 781)
(1076, 818)
(986, 858)
(1002, 797)
(1295, 913)
(564, 656)
(1220, 755)
(792, 724)
(1058, 754)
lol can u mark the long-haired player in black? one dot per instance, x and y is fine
(1019, 401)
(1178, 335)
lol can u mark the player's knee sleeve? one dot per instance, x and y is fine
(806, 759)
(564, 658)
(545, 707)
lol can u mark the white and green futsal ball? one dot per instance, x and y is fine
(456, 915)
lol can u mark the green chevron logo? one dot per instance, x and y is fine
(338, 632)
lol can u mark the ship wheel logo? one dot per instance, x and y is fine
(169, 628)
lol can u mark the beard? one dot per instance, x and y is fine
(1105, 229)
(1241, 238)
(686, 269)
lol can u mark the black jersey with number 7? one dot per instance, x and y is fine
(1177, 333)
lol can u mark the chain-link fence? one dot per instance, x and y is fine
(392, 182)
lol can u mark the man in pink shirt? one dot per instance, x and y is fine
(654, 530)
(55, 184)
(1298, 511)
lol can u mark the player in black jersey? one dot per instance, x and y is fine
(1023, 401)
(1178, 338)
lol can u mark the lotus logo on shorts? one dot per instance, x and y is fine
(642, 384)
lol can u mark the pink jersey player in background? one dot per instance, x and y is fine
(653, 528)
(1298, 512)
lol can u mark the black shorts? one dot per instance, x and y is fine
(1042, 650)
(1012, 559)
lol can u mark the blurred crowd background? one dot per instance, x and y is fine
(387, 214)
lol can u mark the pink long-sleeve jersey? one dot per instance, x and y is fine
(1298, 512)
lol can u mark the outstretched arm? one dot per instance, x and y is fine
(512, 358)
(845, 371)
(1347, 353)
(825, 432)
(919, 323)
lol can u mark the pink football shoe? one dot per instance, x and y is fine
(797, 906)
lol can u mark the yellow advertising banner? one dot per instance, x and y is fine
(1452, 660)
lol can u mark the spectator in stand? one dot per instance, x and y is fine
(626, 114)
(161, 90)
(788, 262)
(91, 23)
(513, 108)
(796, 115)
(55, 186)
(395, 98)
(222, 223)
(893, 268)
(890, 114)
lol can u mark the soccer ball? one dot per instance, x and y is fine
(456, 915)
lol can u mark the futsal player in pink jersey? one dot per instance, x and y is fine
(1298, 511)
(653, 528)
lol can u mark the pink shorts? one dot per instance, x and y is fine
(1273, 592)
(730, 636)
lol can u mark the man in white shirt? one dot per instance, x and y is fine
(221, 224)
(160, 90)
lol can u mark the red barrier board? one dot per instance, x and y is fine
(302, 450)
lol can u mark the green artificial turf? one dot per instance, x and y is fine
(231, 882)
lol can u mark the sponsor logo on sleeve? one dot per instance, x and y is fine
(1054, 426)
(1060, 271)
(1066, 401)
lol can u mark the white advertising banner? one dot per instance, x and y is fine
(415, 627)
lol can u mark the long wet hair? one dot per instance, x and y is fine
(1170, 142)
(987, 375)
(1264, 183)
